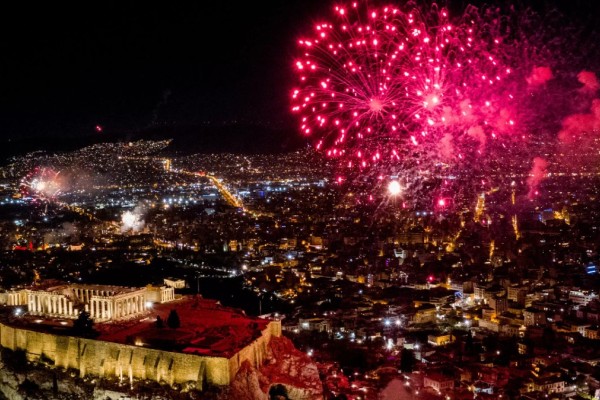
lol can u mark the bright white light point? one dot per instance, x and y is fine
(128, 218)
(394, 188)
(39, 185)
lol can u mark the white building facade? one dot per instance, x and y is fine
(104, 303)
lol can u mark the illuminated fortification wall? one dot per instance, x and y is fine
(107, 359)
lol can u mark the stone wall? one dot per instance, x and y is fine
(104, 359)
(256, 352)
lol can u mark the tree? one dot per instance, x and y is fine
(469, 345)
(173, 320)
(14, 359)
(84, 325)
(407, 360)
(159, 322)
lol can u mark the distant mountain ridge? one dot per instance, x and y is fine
(187, 139)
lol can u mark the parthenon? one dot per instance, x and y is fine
(104, 303)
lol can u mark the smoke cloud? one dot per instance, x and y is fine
(446, 147)
(476, 132)
(539, 76)
(589, 81)
(536, 175)
(576, 125)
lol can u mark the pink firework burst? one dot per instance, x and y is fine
(43, 184)
(389, 89)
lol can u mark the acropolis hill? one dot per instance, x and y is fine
(209, 347)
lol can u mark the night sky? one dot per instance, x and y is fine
(64, 69)
(134, 67)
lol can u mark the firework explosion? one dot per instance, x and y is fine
(132, 221)
(415, 96)
(42, 184)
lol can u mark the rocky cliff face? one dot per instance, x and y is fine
(37, 382)
(9, 384)
(247, 385)
(287, 372)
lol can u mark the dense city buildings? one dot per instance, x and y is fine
(490, 297)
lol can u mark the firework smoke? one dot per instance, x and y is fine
(576, 126)
(540, 76)
(589, 81)
(68, 230)
(536, 176)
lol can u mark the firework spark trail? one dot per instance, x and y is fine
(42, 184)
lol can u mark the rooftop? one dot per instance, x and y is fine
(207, 328)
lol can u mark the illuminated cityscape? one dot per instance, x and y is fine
(414, 216)
(360, 291)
